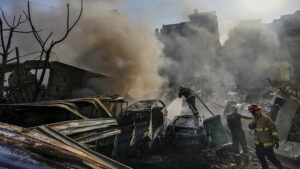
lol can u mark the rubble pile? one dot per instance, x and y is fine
(295, 128)
(54, 115)
(196, 157)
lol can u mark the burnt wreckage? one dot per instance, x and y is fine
(182, 131)
(94, 128)
(100, 126)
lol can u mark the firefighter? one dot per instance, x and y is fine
(190, 98)
(238, 135)
(266, 136)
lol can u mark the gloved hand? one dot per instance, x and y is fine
(252, 125)
(276, 143)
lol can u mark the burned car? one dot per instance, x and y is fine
(184, 131)
(114, 103)
(141, 122)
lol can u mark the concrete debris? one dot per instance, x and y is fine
(191, 157)
(289, 150)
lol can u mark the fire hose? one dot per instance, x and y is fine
(203, 104)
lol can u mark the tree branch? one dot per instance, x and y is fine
(2, 36)
(68, 27)
(4, 18)
(9, 39)
(35, 33)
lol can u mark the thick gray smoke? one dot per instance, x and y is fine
(195, 48)
(250, 56)
(106, 42)
(254, 54)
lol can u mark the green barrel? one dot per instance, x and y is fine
(216, 130)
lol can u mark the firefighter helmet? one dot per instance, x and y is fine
(253, 108)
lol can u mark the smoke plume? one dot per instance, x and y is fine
(106, 42)
(254, 54)
(250, 56)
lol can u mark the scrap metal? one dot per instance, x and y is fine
(37, 149)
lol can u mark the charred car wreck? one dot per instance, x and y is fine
(182, 131)
(142, 122)
(88, 125)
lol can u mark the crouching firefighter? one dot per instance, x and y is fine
(266, 136)
(190, 98)
(238, 135)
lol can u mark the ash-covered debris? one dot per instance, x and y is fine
(191, 157)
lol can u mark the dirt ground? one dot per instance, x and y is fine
(188, 157)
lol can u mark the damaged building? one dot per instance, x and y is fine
(187, 43)
(288, 29)
(64, 123)
(62, 81)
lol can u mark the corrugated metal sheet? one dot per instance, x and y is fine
(39, 150)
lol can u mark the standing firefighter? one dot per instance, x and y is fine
(190, 98)
(238, 135)
(266, 136)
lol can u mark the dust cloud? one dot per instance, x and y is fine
(104, 41)
(251, 54)
(108, 42)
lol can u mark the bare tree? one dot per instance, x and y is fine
(7, 31)
(46, 45)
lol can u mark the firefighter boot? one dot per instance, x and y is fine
(246, 160)
(279, 166)
(237, 160)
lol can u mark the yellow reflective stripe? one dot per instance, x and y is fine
(237, 155)
(256, 142)
(245, 154)
(262, 129)
(192, 107)
(268, 144)
(259, 129)
(274, 133)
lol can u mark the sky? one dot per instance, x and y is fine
(229, 12)
(155, 13)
